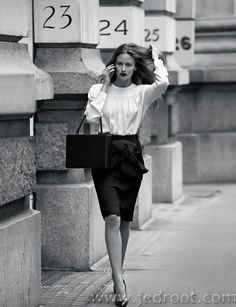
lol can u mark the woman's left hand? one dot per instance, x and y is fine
(155, 53)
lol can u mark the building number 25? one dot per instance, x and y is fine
(152, 36)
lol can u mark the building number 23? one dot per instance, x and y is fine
(48, 23)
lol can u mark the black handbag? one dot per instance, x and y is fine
(88, 150)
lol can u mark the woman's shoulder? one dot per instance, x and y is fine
(96, 87)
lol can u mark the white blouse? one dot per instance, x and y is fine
(122, 108)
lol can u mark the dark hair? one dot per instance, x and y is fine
(142, 57)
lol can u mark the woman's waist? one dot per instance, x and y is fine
(130, 141)
(129, 137)
(120, 129)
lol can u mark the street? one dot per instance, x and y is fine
(185, 256)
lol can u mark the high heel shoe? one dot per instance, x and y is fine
(121, 303)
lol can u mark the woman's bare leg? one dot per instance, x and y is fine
(114, 248)
(124, 231)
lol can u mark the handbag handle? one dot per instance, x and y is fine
(100, 121)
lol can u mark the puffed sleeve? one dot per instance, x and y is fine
(96, 100)
(153, 91)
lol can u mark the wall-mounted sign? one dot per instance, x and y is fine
(66, 21)
(120, 25)
(160, 31)
(185, 42)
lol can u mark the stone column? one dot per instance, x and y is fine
(29, 38)
(20, 86)
(185, 32)
(120, 22)
(208, 130)
(166, 152)
(123, 22)
(72, 227)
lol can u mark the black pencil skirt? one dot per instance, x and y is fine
(116, 192)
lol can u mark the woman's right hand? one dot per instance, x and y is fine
(107, 74)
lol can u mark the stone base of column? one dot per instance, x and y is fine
(167, 172)
(20, 254)
(177, 74)
(72, 226)
(143, 208)
(209, 157)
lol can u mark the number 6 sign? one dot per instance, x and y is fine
(66, 21)
(185, 42)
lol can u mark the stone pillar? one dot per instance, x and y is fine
(20, 86)
(185, 32)
(166, 152)
(160, 30)
(208, 130)
(72, 227)
(120, 22)
(123, 22)
(29, 38)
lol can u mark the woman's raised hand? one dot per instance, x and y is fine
(155, 53)
(158, 62)
(108, 73)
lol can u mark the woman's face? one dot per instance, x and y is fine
(125, 66)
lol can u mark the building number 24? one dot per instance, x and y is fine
(121, 27)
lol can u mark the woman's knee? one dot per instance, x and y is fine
(112, 221)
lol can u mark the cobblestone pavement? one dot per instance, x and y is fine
(64, 289)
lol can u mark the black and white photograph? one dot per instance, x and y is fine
(117, 153)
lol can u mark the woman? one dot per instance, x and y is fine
(126, 90)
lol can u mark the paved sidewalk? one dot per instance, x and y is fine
(185, 252)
